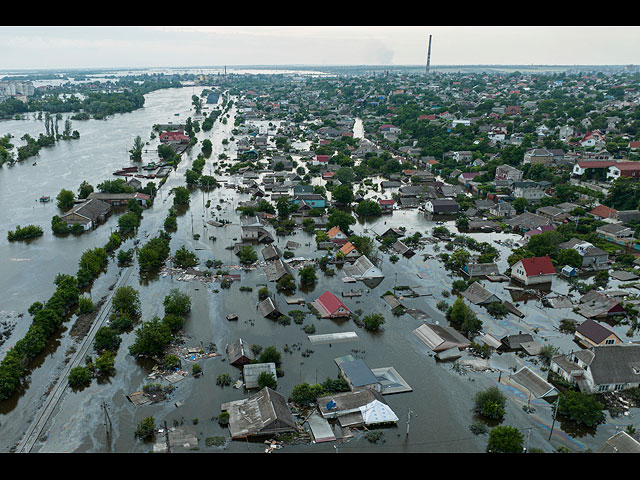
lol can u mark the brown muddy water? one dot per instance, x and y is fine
(442, 398)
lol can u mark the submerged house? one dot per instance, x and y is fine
(363, 269)
(239, 353)
(533, 271)
(88, 213)
(445, 341)
(265, 413)
(592, 334)
(601, 369)
(330, 306)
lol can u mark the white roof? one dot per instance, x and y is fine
(377, 412)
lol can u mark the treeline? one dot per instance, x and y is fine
(49, 316)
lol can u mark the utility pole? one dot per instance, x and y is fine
(555, 413)
(166, 437)
(107, 419)
(408, 421)
(526, 448)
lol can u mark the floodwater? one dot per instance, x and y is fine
(441, 402)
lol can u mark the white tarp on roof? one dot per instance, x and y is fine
(377, 412)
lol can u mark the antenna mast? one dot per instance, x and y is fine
(429, 56)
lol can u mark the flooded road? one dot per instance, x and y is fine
(441, 401)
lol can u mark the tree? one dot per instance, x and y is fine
(85, 189)
(490, 403)
(266, 379)
(65, 199)
(570, 257)
(342, 194)
(206, 147)
(136, 150)
(520, 204)
(303, 393)
(177, 303)
(151, 339)
(368, 208)
(373, 322)
(181, 196)
(463, 317)
(581, 408)
(184, 258)
(247, 255)
(307, 275)
(340, 219)
(79, 377)
(106, 338)
(126, 300)
(270, 355)
(146, 429)
(505, 439)
(128, 222)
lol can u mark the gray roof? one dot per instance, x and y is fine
(478, 295)
(265, 413)
(616, 364)
(621, 442)
(92, 209)
(358, 373)
(533, 382)
(239, 352)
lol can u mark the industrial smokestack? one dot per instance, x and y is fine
(429, 55)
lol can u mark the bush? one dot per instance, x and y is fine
(266, 379)
(304, 393)
(223, 418)
(146, 428)
(24, 233)
(126, 300)
(490, 403)
(373, 322)
(270, 355)
(581, 408)
(79, 377)
(106, 338)
(176, 303)
(224, 380)
(85, 304)
(504, 439)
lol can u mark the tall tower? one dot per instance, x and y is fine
(429, 56)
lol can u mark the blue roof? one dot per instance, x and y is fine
(358, 372)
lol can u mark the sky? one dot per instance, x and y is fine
(60, 47)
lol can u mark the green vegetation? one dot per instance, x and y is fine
(505, 439)
(24, 233)
(490, 403)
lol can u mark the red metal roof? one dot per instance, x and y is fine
(603, 211)
(538, 266)
(330, 302)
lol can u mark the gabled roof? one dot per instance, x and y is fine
(603, 211)
(594, 331)
(334, 231)
(329, 302)
(535, 266)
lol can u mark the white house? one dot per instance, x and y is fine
(533, 271)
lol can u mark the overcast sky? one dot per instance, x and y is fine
(54, 47)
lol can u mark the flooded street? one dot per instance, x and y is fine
(441, 403)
